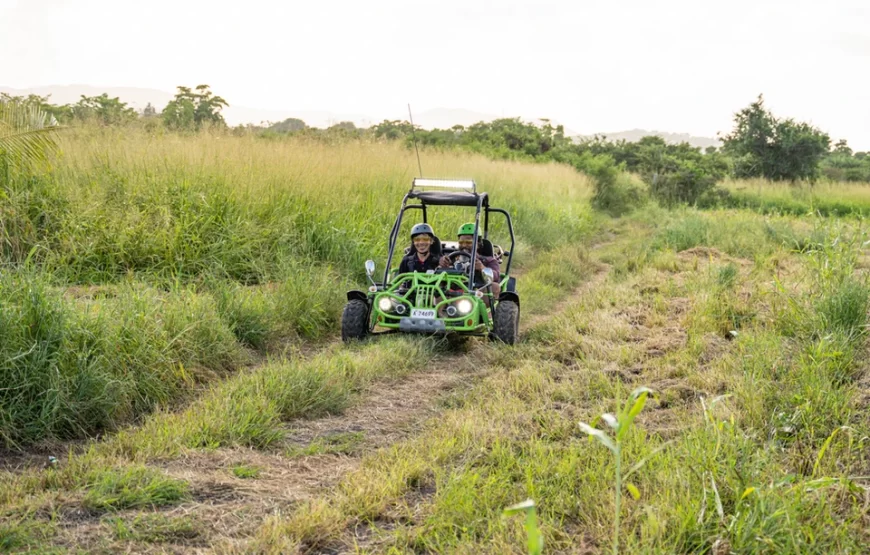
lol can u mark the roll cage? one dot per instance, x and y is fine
(464, 193)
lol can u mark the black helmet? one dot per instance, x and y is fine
(420, 229)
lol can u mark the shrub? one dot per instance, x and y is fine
(616, 192)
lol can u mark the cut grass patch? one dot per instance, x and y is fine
(249, 409)
(23, 533)
(344, 443)
(131, 488)
(246, 471)
(155, 528)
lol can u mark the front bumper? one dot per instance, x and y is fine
(422, 325)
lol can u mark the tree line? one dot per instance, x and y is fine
(190, 110)
(760, 144)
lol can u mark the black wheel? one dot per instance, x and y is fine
(354, 320)
(506, 322)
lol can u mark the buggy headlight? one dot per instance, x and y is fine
(464, 306)
(385, 304)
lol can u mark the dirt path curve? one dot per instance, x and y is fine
(315, 455)
(319, 452)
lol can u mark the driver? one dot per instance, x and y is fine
(466, 240)
(420, 258)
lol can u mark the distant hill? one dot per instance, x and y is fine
(445, 118)
(635, 135)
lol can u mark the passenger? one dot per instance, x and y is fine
(466, 240)
(420, 258)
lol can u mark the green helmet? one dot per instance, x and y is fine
(466, 229)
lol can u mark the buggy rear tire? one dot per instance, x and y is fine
(506, 322)
(354, 321)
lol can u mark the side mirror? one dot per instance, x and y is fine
(488, 275)
(370, 267)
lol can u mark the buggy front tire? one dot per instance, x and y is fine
(506, 322)
(354, 321)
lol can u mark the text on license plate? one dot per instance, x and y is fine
(422, 313)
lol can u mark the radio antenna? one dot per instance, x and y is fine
(414, 134)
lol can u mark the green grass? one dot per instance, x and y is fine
(154, 528)
(344, 443)
(138, 267)
(825, 199)
(144, 275)
(121, 202)
(22, 533)
(246, 472)
(74, 367)
(250, 409)
(753, 445)
(132, 488)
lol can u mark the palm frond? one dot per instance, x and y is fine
(27, 132)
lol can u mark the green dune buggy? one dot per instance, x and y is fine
(448, 301)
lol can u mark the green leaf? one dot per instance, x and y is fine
(720, 510)
(825, 446)
(26, 131)
(639, 402)
(820, 483)
(599, 435)
(535, 541)
(611, 420)
(640, 390)
(520, 507)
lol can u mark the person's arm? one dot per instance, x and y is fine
(492, 264)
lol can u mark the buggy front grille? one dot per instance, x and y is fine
(425, 296)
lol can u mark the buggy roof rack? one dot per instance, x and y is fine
(423, 182)
(450, 198)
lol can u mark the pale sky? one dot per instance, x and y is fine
(671, 65)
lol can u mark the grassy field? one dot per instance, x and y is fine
(826, 199)
(178, 296)
(755, 440)
(141, 267)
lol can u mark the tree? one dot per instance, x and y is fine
(149, 111)
(677, 173)
(103, 110)
(190, 111)
(61, 114)
(764, 146)
(289, 125)
(842, 148)
(391, 129)
(26, 132)
(345, 125)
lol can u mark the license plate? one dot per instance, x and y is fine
(422, 313)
